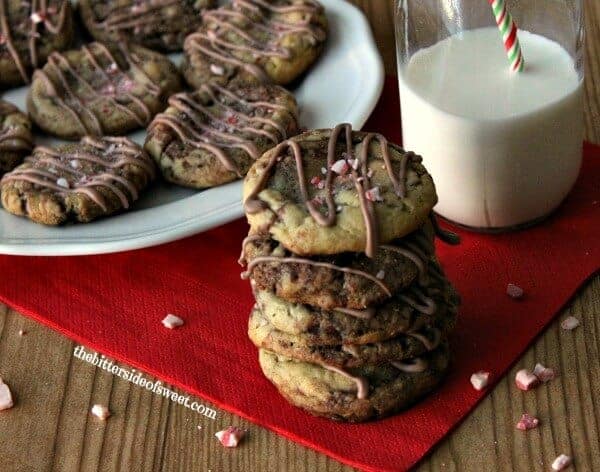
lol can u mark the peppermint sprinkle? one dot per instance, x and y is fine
(74, 163)
(231, 436)
(323, 171)
(217, 70)
(100, 411)
(338, 208)
(62, 182)
(374, 195)
(514, 291)
(380, 275)
(569, 323)
(171, 321)
(340, 167)
(37, 17)
(562, 462)
(527, 422)
(480, 380)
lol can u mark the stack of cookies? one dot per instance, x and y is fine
(352, 309)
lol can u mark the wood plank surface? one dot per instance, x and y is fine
(50, 428)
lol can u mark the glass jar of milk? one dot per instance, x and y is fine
(504, 147)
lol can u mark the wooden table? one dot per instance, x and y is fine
(51, 429)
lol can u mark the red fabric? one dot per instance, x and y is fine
(114, 304)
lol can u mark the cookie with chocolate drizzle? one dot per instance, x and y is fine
(355, 394)
(350, 282)
(313, 326)
(334, 191)
(100, 90)
(213, 135)
(29, 31)
(16, 140)
(255, 41)
(155, 24)
(77, 182)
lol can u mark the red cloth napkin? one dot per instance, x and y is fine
(114, 304)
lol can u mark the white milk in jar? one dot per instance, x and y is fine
(503, 148)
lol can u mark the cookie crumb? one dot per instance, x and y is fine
(231, 436)
(525, 380)
(527, 422)
(480, 380)
(100, 411)
(514, 291)
(569, 323)
(562, 462)
(6, 400)
(171, 321)
(545, 374)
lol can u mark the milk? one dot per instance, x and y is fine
(504, 148)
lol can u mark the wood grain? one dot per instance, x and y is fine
(50, 428)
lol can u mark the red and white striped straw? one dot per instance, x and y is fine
(509, 32)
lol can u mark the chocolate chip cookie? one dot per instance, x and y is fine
(334, 191)
(212, 136)
(155, 24)
(98, 90)
(16, 140)
(255, 41)
(77, 182)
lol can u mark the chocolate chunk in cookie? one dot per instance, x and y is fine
(16, 140)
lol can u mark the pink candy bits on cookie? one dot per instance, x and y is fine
(527, 422)
(6, 400)
(480, 380)
(231, 436)
(526, 380)
(171, 321)
(562, 462)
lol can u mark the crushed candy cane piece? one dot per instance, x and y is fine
(527, 422)
(6, 400)
(37, 17)
(22, 333)
(171, 321)
(112, 67)
(545, 374)
(340, 167)
(217, 70)
(100, 411)
(525, 380)
(374, 195)
(74, 163)
(562, 462)
(323, 171)
(514, 291)
(315, 180)
(231, 436)
(480, 379)
(381, 274)
(62, 182)
(569, 323)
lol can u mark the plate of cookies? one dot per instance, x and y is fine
(126, 124)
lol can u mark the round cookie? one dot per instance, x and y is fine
(156, 24)
(356, 395)
(16, 140)
(255, 41)
(97, 90)
(340, 281)
(213, 135)
(335, 191)
(330, 328)
(29, 32)
(77, 182)
(425, 335)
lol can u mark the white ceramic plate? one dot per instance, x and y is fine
(343, 86)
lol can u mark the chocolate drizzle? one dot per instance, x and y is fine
(257, 33)
(447, 236)
(13, 138)
(40, 15)
(228, 120)
(115, 86)
(110, 154)
(362, 384)
(133, 15)
(411, 366)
